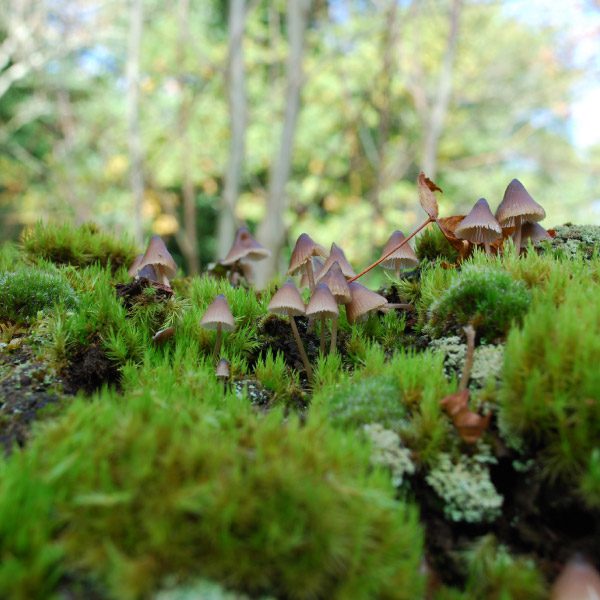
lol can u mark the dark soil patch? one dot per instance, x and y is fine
(89, 370)
(135, 292)
(26, 387)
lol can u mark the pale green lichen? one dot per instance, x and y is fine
(466, 488)
(573, 240)
(387, 451)
(202, 589)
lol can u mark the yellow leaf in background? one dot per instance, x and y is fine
(316, 166)
(116, 166)
(150, 206)
(165, 225)
(250, 207)
(333, 203)
(210, 186)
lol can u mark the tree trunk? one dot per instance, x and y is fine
(136, 176)
(271, 232)
(441, 102)
(236, 84)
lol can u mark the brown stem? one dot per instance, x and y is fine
(404, 241)
(300, 345)
(332, 346)
(218, 340)
(322, 347)
(466, 372)
(398, 270)
(486, 245)
(309, 273)
(517, 238)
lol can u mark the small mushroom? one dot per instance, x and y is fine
(402, 258)
(302, 254)
(317, 267)
(579, 580)
(218, 316)
(245, 248)
(338, 286)
(158, 257)
(162, 336)
(363, 301)
(518, 207)
(223, 371)
(479, 226)
(134, 268)
(533, 232)
(287, 301)
(336, 254)
(323, 305)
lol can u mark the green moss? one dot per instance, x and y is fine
(571, 240)
(490, 299)
(432, 245)
(78, 246)
(25, 292)
(202, 589)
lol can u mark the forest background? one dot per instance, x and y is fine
(189, 118)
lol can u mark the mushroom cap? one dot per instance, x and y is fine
(160, 337)
(518, 206)
(245, 247)
(534, 232)
(363, 301)
(223, 370)
(157, 254)
(336, 254)
(337, 284)
(317, 265)
(480, 225)
(403, 258)
(303, 251)
(135, 265)
(322, 303)
(287, 301)
(579, 580)
(218, 313)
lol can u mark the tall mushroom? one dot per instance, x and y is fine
(317, 266)
(579, 580)
(218, 316)
(518, 207)
(287, 301)
(363, 301)
(323, 305)
(245, 248)
(336, 254)
(338, 286)
(302, 254)
(479, 226)
(158, 257)
(534, 233)
(402, 258)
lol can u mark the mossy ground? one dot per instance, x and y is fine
(156, 479)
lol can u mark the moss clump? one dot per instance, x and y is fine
(488, 298)
(29, 290)
(202, 491)
(550, 397)
(78, 246)
(465, 487)
(432, 245)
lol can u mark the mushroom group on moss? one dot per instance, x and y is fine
(480, 226)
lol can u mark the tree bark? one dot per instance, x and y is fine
(271, 232)
(236, 84)
(136, 175)
(441, 102)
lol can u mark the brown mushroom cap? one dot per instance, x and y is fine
(403, 258)
(337, 284)
(245, 247)
(218, 313)
(159, 257)
(534, 232)
(518, 206)
(303, 251)
(317, 266)
(287, 301)
(223, 371)
(363, 301)
(135, 265)
(579, 580)
(336, 254)
(322, 303)
(480, 225)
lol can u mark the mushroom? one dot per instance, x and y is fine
(338, 286)
(160, 337)
(158, 257)
(479, 226)
(402, 258)
(317, 267)
(223, 372)
(518, 207)
(336, 254)
(363, 301)
(287, 301)
(533, 232)
(218, 316)
(302, 253)
(322, 304)
(579, 580)
(135, 266)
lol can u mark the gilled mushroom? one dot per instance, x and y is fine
(323, 305)
(158, 257)
(518, 207)
(363, 301)
(579, 580)
(302, 254)
(218, 316)
(534, 233)
(479, 226)
(338, 286)
(402, 258)
(245, 248)
(287, 301)
(336, 254)
(162, 336)
(222, 371)
(135, 265)
(317, 267)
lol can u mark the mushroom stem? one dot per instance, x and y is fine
(397, 270)
(466, 372)
(402, 243)
(517, 237)
(219, 339)
(486, 245)
(300, 345)
(322, 347)
(333, 345)
(311, 276)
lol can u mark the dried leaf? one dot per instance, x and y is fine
(427, 197)
(455, 403)
(471, 426)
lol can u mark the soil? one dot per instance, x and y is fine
(133, 292)
(89, 370)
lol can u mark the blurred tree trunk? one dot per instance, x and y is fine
(189, 240)
(271, 232)
(236, 87)
(136, 175)
(437, 115)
